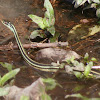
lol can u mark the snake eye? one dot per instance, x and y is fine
(6, 23)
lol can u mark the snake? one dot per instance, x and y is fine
(31, 62)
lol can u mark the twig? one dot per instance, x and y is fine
(11, 46)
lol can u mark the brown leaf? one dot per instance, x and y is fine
(33, 91)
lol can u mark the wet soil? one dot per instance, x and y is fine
(17, 11)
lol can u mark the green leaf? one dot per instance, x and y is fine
(37, 20)
(46, 22)
(45, 96)
(78, 74)
(78, 88)
(8, 76)
(24, 98)
(92, 30)
(78, 95)
(7, 65)
(98, 12)
(96, 1)
(93, 59)
(4, 91)
(72, 59)
(86, 57)
(50, 83)
(49, 14)
(34, 34)
(76, 63)
(51, 30)
(79, 3)
(92, 5)
(89, 1)
(49, 8)
(88, 69)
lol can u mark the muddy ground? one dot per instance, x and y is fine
(17, 11)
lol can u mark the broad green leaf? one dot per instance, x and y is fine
(7, 65)
(51, 83)
(88, 69)
(49, 14)
(49, 8)
(8, 76)
(24, 98)
(78, 74)
(96, 1)
(52, 21)
(46, 22)
(98, 12)
(4, 91)
(34, 34)
(37, 20)
(51, 30)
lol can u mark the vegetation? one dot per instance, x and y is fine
(49, 83)
(82, 69)
(4, 87)
(91, 4)
(46, 23)
(78, 95)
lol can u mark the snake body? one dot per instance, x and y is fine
(34, 64)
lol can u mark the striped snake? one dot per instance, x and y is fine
(34, 64)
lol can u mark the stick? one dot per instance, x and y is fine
(11, 46)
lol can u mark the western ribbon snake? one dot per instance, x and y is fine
(34, 64)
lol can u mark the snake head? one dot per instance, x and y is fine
(9, 25)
